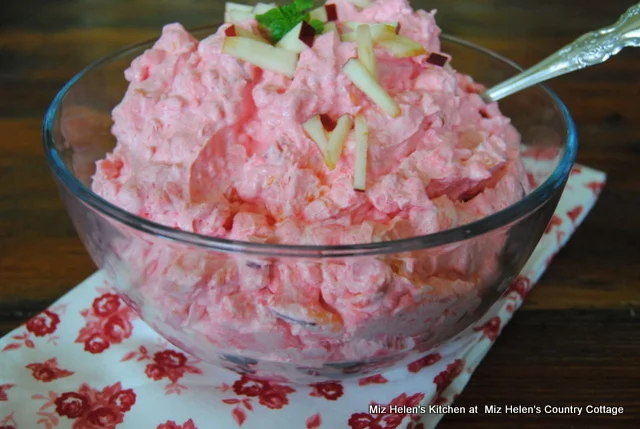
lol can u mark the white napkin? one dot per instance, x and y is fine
(87, 362)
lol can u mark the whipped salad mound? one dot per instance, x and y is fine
(213, 144)
(349, 127)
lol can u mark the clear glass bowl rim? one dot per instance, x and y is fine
(504, 217)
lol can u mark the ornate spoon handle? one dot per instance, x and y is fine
(590, 49)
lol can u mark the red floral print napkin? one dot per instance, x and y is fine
(88, 362)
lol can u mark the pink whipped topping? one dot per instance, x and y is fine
(214, 145)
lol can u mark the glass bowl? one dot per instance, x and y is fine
(210, 297)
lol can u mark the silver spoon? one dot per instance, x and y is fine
(590, 49)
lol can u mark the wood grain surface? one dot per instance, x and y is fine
(577, 339)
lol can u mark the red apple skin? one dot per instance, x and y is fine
(307, 34)
(328, 123)
(437, 60)
(332, 12)
(230, 31)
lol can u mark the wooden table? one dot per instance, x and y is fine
(577, 339)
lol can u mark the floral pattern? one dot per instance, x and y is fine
(596, 187)
(554, 221)
(86, 407)
(445, 378)
(491, 329)
(8, 422)
(64, 369)
(374, 379)
(43, 324)
(3, 391)
(385, 421)
(314, 422)
(48, 371)
(574, 213)
(108, 322)
(93, 409)
(520, 286)
(170, 424)
(424, 362)
(170, 364)
(269, 394)
(330, 391)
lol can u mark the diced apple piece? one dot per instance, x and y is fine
(318, 13)
(298, 38)
(261, 54)
(366, 53)
(237, 16)
(261, 8)
(236, 12)
(402, 47)
(355, 24)
(337, 140)
(362, 4)
(349, 36)
(235, 30)
(437, 59)
(316, 132)
(361, 149)
(383, 31)
(329, 27)
(326, 13)
(379, 31)
(332, 12)
(229, 6)
(328, 123)
(361, 78)
(242, 32)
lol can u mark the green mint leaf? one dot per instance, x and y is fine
(268, 18)
(317, 25)
(303, 5)
(279, 21)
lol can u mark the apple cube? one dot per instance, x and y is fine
(329, 27)
(235, 30)
(326, 13)
(337, 141)
(261, 55)
(437, 59)
(237, 16)
(316, 132)
(374, 25)
(261, 8)
(298, 38)
(229, 6)
(361, 78)
(401, 47)
(366, 54)
(362, 4)
(379, 30)
(328, 123)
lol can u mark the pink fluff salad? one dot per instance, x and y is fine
(210, 144)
